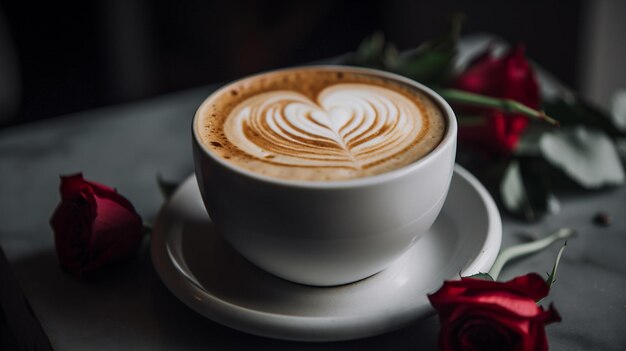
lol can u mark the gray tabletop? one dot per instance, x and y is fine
(126, 146)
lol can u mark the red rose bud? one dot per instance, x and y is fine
(93, 226)
(508, 77)
(486, 315)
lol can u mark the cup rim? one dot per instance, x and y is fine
(449, 136)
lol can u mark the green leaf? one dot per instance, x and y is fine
(524, 188)
(430, 68)
(588, 156)
(574, 110)
(621, 148)
(370, 53)
(552, 276)
(564, 104)
(483, 276)
(521, 250)
(432, 62)
(618, 110)
(528, 144)
(167, 188)
(512, 189)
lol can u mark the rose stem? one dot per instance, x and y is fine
(507, 105)
(517, 251)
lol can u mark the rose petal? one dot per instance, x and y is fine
(479, 334)
(517, 305)
(530, 334)
(521, 84)
(93, 226)
(104, 191)
(71, 185)
(71, 223)
(516, 323)
(482, 76)
(552, 315)
(451, 336)
(536, 339)
(510, 308)
(116, 235)
(531, 285)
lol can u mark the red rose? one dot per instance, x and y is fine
(479, 314)
(509, 77)
(93, 226)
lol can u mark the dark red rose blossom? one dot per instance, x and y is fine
(479, 314)
(510, 77)
(93, 226)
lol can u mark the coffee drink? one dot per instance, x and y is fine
(292, 164)
(320, 123)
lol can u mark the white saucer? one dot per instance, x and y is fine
(203, 271)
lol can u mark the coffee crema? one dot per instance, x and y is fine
(320, 124)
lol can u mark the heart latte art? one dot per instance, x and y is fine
(349, 126)
(341, 129)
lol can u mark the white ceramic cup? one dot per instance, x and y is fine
(327, 232)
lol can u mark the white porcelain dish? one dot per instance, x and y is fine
(204, 272)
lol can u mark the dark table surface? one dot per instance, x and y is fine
(126, 146)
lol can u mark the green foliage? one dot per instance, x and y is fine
(430, 63)
(588, 156)
(552, 275)
(525, 188)
(575, 111)
(587, 149)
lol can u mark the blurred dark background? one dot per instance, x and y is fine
(60, 57)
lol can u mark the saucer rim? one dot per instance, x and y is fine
(309, 328)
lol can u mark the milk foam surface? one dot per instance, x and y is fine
(320, 124)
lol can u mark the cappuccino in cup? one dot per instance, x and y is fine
(320, 124)
(323, 175)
